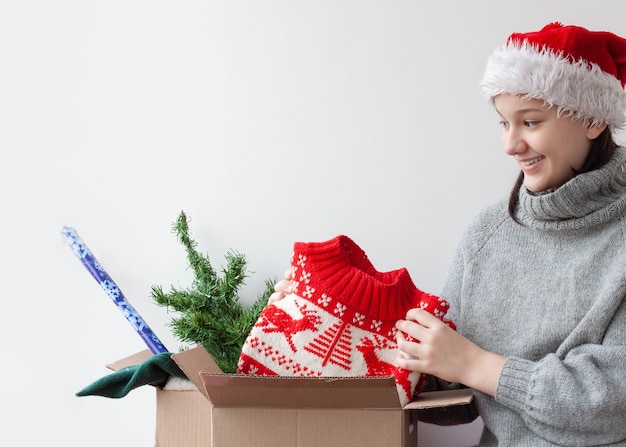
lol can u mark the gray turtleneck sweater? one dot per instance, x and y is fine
(549, 295)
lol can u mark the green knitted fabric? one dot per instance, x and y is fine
(154, 371)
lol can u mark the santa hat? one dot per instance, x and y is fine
(581, 72)
(340, 319)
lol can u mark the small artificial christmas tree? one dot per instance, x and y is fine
(210, 313)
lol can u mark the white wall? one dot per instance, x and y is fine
(267, 123)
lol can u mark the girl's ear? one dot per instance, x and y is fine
(594, 131)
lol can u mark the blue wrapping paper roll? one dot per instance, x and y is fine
(113, 291)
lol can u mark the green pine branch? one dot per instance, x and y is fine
(209, 312)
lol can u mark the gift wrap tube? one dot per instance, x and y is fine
(110, 287)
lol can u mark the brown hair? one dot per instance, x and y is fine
(602, 150)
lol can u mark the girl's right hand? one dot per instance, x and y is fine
(282, 288)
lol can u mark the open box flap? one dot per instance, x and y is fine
(234, 390)
(301, 392)
(195, 361)
(436, 399)
(131, 360)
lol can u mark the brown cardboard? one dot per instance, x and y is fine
(437, 399)
(230, 410)
(192, 362)
(341, 427)
(131, 360)
(260, 411)
(293, 392)
(183, 419)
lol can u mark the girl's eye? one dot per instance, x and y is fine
(504, 124)
(530, 123)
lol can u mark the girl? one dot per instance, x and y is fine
(538, 282)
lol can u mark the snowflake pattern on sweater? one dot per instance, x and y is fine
(340, 320)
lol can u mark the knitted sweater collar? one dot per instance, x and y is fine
(587, 199)
(340, 269)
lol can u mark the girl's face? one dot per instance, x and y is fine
(547, 148)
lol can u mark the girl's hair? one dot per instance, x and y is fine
(602, 150)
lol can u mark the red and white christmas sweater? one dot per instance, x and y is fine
(340, 319)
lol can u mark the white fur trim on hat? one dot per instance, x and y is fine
(577, 88)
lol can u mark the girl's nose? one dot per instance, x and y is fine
(513, 142)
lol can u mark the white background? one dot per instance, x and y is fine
(267, 123)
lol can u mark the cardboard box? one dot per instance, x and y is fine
(230, 410)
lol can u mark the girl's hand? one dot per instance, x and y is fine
(440, 351)
(281, 288)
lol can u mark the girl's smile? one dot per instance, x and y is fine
(549, 148)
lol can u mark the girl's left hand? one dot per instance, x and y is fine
(439, 350)
(282, 288)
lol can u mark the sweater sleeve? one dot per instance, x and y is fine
(574, 395)
(577, 399)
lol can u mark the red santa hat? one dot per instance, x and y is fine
(581, 72)
(340, 319)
